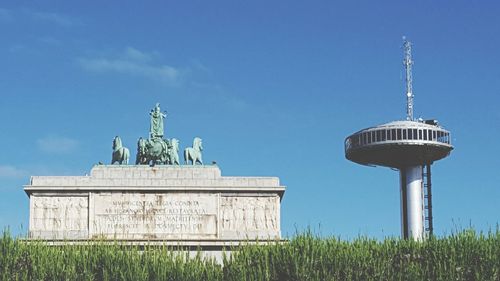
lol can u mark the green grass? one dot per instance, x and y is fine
(463, 256)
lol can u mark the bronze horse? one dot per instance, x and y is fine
(120, 153)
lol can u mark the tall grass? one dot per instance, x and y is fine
(463, 256)
(22, 260)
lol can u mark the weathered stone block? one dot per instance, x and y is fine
(166, 203)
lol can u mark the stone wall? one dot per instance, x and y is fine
(155, 203)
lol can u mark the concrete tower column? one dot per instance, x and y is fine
(412, 207)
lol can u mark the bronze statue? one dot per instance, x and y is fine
(156, 126)
(157, 150)
(173, 152)
(120, 153)
(193, 154)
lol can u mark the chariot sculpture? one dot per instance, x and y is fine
(157, 150)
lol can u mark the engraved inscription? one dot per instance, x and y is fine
(150, 216)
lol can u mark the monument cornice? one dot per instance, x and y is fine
(130, 178)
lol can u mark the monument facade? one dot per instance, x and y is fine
(155, 203)
(157, 200)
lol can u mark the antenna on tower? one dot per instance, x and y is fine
(407, 62)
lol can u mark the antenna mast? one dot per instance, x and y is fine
(407, 62)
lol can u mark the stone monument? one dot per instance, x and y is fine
(156, 201)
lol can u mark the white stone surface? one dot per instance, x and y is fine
(250, 216)
(129, 177)
(155, 216)
(172, 203)
(59, 217)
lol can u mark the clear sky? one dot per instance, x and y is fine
(273, 88)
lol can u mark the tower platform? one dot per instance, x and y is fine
(398, 144)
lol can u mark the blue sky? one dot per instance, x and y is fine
(273, 88)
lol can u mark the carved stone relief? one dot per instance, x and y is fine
(249, 213)
(56, 213)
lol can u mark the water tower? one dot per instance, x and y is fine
(410, 146)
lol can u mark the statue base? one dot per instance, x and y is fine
(189, 206)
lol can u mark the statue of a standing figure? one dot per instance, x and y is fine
(156, 127)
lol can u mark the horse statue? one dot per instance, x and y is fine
(142, 157)
(193, 154)
(120, 153)
(173, 152)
